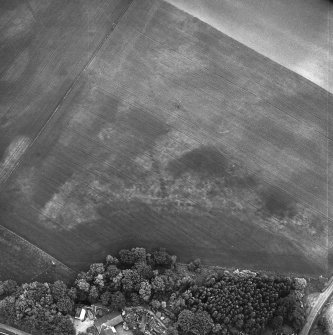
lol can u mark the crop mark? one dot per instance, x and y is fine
(246, 181)
(211, 139)
(278, 204)
(249, 181)
(204, 160)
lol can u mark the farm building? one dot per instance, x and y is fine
(80, 314)
(107, 322)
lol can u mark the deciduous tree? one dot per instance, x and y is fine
(185, 320)
(118, 301)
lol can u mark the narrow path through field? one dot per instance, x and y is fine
(316, 309)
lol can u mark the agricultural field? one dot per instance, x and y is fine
(150, 128)
(44, 46)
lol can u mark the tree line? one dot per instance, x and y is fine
(224, 303)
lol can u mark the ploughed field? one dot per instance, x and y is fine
(133, 123)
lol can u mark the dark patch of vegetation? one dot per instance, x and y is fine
(222, 303)
(148, 126)
(237, 303)
(205, 160)
(277, 203)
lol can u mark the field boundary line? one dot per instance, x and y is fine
(69, 90)
(36, 247)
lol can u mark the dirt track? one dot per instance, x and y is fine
(316, 309)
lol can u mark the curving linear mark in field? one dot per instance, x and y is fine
(322, 299)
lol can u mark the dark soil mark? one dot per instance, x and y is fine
(277, 203)
(148, 127)
(8, 54)
(142, 130)
(204, 160)
(240, 178)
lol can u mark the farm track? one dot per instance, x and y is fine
(316, 309)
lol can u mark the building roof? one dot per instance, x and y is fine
(115, 321)
(78, 312)
(110, 319)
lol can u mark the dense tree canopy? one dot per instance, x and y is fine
(39, 308)
(224, 303)
(242, 303)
